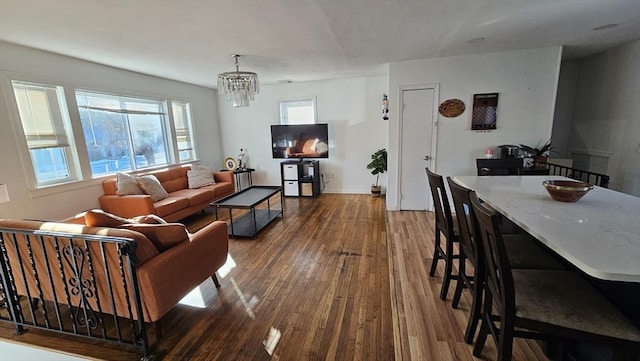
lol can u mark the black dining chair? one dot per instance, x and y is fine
(522, 252)
(542, 304)
(444, 225)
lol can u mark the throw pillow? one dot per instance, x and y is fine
(163, 236)
(100, 218)
(151, 186)
(200, 176)
(126, 185)
(148, 219)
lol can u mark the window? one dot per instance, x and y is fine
(122, 133)
(46, 127)
(299, 111)
(184, 136)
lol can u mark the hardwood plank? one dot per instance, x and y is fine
(339, 276)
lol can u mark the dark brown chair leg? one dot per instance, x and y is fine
(476, 309)
(437, 253)
(462, 283)
(215, 280)
(448, 270)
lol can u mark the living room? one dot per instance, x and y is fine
(537, 100)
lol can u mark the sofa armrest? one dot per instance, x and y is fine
(167, 278)
(127, 206)
(223, 177)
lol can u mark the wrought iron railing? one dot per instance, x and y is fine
(598, 179)
(76, 284)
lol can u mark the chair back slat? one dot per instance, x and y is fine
(466, 225)
(441, 202)
(498, 277)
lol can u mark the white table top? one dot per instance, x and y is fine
(599, 234)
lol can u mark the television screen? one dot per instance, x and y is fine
(300, 141)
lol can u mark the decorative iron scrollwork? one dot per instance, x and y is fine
(84, 315)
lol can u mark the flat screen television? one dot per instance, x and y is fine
(300, 141)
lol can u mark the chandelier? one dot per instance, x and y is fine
(239, 86)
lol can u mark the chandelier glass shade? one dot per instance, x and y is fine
(239, 87)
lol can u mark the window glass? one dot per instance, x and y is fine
(301, 111)
(45, 123)
(184, 136)
(122, 133)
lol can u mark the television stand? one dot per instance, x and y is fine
(300, 178)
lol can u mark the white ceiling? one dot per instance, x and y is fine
(301, 40)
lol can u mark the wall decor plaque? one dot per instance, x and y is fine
(231, 163)
(485, 111)
(451, 108)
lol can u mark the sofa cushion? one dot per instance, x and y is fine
(221, 189)
(171, 204)
(151, 186)
(173, 179)
(100, 218)
(200, 176)
(163, 236)
(196, 196)
(126, 184)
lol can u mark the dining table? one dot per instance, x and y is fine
(599, 234)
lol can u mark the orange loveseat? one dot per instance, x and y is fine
(180, 203)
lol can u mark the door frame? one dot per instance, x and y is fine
(434, 132)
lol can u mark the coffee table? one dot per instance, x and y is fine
(248, 225)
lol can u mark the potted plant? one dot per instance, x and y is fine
(378, 165)
(539, 155)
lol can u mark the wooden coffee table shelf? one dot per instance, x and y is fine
(248, 225)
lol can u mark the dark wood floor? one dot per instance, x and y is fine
(334, 277)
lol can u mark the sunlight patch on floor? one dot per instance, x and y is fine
(194, 299)
(248, 305)
(227, 267)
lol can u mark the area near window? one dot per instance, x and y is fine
(121, 133)
(46, 127)
(298, 111)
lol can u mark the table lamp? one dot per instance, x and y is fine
(4, 193)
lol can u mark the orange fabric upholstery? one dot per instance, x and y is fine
(182, 201)
(163, 278)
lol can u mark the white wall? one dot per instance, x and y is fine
(21, 63)
(526, 80)
(352, 109)
(606, 117)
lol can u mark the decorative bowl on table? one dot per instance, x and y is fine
(566, 190)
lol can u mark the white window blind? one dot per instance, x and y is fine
(42, 120)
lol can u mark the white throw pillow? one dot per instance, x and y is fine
(151, 186)
(200, 176)
(126, 184)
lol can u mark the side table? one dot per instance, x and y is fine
(238, 172)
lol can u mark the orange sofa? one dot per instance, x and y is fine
(74, 264)
(180, 203)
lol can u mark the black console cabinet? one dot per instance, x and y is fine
(300, 178)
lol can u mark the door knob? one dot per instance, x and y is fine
(426, 157)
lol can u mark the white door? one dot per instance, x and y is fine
(416, 149)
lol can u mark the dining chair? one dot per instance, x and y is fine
(542, 304)
(444, 224)
(522, 252)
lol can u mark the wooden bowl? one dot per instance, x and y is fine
(566, 191)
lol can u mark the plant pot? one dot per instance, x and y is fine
(540, 162)
(376, 190)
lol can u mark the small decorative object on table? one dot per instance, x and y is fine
(231, 164)
(242, 163)
(566, 190)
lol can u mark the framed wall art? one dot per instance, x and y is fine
(485, 111)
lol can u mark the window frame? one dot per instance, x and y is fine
(284, 119)
(69, 150)
(83, 177)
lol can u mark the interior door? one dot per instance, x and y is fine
(416, 151)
